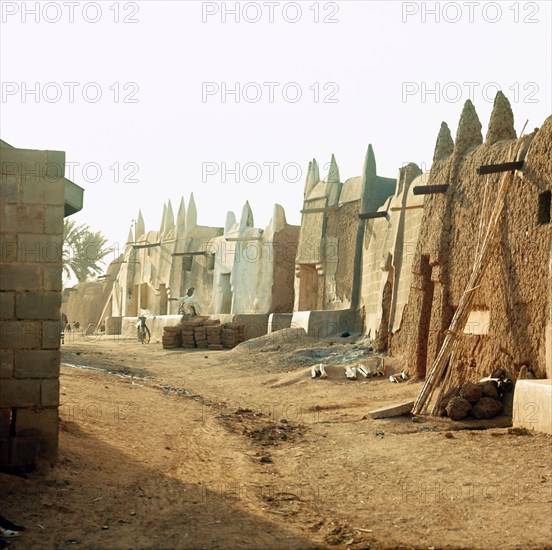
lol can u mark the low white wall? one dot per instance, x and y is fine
(533, 405)
(320, 324)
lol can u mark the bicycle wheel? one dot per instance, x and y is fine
(140, 336)
(147, 335)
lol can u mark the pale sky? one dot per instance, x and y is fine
(313, 78)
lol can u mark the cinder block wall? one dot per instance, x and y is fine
(32, 196)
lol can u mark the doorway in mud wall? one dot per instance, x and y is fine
(308, 288)
(226, 290)
(424, 319)
(163, 299)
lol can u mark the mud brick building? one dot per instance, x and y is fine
(34, 199)
(509, 325)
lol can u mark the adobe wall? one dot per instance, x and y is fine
(284, 251)
(32, 197)
(84, 304)
(515, 290)
(388, 251)
(549, 325)
(341, 240)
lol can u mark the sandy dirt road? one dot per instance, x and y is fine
(241, 449)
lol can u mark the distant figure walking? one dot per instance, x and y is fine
(63, 322)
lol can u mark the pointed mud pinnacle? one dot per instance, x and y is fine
(468, 134)
(501, 123)
(444, 145)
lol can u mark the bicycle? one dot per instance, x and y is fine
(144, 334)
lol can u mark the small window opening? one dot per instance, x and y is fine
(544, 208)
(187, 263)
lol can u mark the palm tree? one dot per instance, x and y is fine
(83, 251)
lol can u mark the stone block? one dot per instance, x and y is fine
(9, 192)
(20, 277)
(42, 191)
(8, 248)
(40, 423)
(7, 305)
(5, 422)
(38, 305)
(19, 393)
(47, 448)
(19, 162)
(23, 450)
(55, 164)
(40, 248)
(4, 451)
(22, 218)
(53, 220)
(49, 390)
(20, 334)
(36, 364)
(52, 277)
(6, 363)
(51, 334)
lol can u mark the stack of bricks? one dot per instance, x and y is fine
(188, 340)
(214, 334)
(188, 331)
(32, 197)
(232, 334)
(172, 337)
(200, 335)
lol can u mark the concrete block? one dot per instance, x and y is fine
(55, 164)
(20, 277)
(393, 410)
(38, 305)
(23, 451)
(51, 332)
(52, 277)
(533, 405)
(6, 363)
(18, 162)
(53, 221)
(43, 191)
(4, 451)
(22, 218)
(41, 423)
(7, 305)
(8, 247)
(49, 390)
(19, 393)
(9, 192)
(37, 364)
(20, 334)
(40, 248)
(47, 448)
(5, 422)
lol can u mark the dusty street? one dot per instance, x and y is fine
(241, 449)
